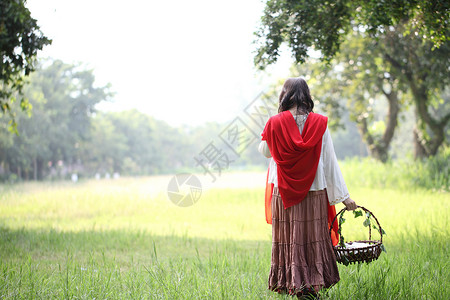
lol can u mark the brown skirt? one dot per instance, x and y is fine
(302, 252)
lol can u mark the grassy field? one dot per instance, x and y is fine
(123, 239)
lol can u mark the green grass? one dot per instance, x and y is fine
(124, 240)
(432, 173)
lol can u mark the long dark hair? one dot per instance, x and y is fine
(295, 93)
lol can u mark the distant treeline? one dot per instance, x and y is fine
(64, 134)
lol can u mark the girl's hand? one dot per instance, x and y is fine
(349, 204)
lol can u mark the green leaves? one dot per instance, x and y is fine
(60, 126)
(388, 51)
(345, 260)
(324, 26)
(341, 241)
(341, 237)
(20, 40)
(357, 213)
(366, 222)
(302, 25)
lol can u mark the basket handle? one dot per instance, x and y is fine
(366, 210)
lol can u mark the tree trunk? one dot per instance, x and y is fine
(429, 133)
(392, 116)
(35, 171)
(40, 169)
(7, 169)
(427, 142)
(379, 149)
(419, 150)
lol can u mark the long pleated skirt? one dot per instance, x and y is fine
(302, 252)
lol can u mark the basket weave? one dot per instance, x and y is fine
(361, 254)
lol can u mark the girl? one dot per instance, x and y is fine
(304, 184)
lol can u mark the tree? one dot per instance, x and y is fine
(107, 148)
(63, 98)
(356, 83)
(322, 25)
(425, 73)
(20, 40)
(133, 143)
(396, 35)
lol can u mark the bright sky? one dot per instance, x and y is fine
(185, 62)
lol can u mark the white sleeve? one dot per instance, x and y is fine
(336, 188)
(263, 148)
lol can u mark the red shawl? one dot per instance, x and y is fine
(297, 157)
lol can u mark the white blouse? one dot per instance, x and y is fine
(328, 173)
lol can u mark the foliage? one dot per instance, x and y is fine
(20, 40)
(424, 72)
(66, 134)
(366, 223)
(133, 143)
(373, 48)
(64, 98)
(386, 73)
(432, 173)
(323, 24)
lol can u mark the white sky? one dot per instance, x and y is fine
(185, 62)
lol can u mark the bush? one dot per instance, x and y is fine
(431, 173)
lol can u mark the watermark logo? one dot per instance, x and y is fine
(217, 156)
(184, 189)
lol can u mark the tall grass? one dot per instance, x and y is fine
(431, 173)
(123, 239)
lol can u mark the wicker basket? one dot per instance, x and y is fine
(371, 250)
